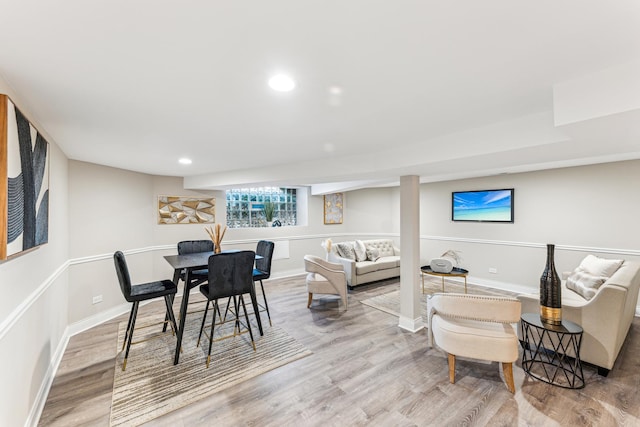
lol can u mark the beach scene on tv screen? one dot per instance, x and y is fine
(492, 205)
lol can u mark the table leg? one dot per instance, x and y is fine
(183, 314)
(442, 283)
(422, 275)
(465, 284)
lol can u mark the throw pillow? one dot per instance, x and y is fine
(360, 250)
(599, 266)
(584, 283)
(373, 254)
(345, 250)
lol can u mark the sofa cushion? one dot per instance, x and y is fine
(584, 283)
(600, 267)
(346, 250)
(360, 250)
(373, 254)
(383, 263)
(384, 246)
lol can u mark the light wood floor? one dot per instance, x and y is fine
(365, 370)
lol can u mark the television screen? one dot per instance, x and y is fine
(482, 206)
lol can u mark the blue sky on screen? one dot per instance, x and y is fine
(482, 199)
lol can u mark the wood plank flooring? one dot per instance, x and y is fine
(365, 370)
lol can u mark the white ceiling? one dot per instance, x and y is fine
(442, 89)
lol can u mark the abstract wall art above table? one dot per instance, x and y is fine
(24, 178)
(186, 210)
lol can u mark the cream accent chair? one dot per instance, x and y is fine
(475, 326)
(325, 278)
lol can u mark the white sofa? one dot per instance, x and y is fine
(367, 270)
(605, 318)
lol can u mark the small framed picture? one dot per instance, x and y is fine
(333, 208)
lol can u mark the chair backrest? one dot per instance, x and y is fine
(194, 246)
(123, 274)
(265, 249)
(315, 264)
(230, 273)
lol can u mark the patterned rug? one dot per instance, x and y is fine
(153, 386)
(390, 302)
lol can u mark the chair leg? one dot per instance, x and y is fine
(246, 316)
(213, 324)
(134, 313)
(170, 315)
(266, 306)
(126, 334)
(166, 316)
(452, 368)
(256, 309)
(507, 369)
(226, 311)
(309, 302)
(236, 309)
(206, 309)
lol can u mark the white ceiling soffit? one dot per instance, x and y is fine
(434, 88)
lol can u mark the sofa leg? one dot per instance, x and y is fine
(603, 372)
(507, 369)
(309, 302)
(452, 368)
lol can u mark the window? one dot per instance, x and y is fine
(245, 206)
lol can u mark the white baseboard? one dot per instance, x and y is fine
(71, 330)
(41, 397)
(411, 325)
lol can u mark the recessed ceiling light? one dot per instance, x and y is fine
(282, 83)
(185, 161)
(335, 90)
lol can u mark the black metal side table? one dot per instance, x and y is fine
(552, 352)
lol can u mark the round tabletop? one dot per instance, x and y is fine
(455, 272)
(567, 326)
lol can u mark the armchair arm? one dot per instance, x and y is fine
(348, 265)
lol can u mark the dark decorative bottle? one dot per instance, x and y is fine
(550, 288)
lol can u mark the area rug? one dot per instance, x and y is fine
(390, 301)
(153, 386)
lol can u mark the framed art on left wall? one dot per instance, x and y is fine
(24, 178)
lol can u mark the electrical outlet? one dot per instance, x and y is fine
(493, 270)
(97, 299)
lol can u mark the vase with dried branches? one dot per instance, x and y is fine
(216, 233)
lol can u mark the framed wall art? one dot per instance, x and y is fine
(186, 210)
(24, 174)
(333, 208)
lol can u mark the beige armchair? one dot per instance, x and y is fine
(475, 326)
(325, 278)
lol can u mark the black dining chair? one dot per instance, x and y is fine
(141, 292)
(194, 246)
(262, 270)
(230, 276)
(198, 276)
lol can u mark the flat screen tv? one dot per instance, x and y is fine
(482, 206)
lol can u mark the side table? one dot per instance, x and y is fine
(456, 272)
(552, 352)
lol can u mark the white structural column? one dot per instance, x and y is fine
(410, 315)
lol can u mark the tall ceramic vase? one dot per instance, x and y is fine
(550, 287)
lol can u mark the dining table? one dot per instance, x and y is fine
(187, 264)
